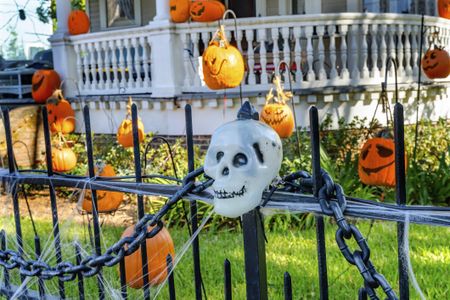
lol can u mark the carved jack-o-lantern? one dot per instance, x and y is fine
(376, 165)
(207, 10)
(43, 84)
(278, 114)
(436, 63)
(125, 131)
(179, 10)
(444, 8)
(61, 116)
(223, 64)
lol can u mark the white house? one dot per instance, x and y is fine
(337, 50)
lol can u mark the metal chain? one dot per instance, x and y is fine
(91, 265)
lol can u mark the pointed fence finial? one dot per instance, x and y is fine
(247, 112)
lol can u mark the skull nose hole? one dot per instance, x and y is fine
(225, 171)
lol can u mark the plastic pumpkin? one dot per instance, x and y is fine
(61, 116)
(207, 11)
(436, 63)
(179, 10)
(158, 247)
(376, 165)
(43, 84)
(444, 8)
(63, 159)
(223, 65)
(278, 114)
(78, 22)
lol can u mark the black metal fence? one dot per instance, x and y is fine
(318, 189)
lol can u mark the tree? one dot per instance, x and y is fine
(14, 48)
(46, 11)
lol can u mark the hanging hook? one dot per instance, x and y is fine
(390, 60)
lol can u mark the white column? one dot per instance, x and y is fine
(313, 6)
(63, 9)
(162, 10)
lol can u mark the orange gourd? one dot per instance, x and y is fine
(436, 63)
(63, 159)
(376, 164)
(43, 84)
(125, 131)
(78, 22)
(207, 11)
(106, 201)
(278, 114)
(179, 10)
(223, 64)
(158, 247)
(444, 8)
(61, 116)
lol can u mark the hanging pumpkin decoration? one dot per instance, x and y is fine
(78, 22)
(63, 159)
(444, 8)
(278, 114)
(376, 164)
(125, 131)
(43, 84)
(61, 116)
(179, 10)
(158, 247)
(436, 63)
(106, 201)
(207, 10)
(223, 65)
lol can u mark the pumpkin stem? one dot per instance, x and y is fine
(56, 97)
(282, 95)
(221, 37)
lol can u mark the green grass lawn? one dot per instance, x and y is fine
(293, 251)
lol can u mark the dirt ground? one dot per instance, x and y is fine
(39, 202)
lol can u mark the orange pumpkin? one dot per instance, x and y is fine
(207, 11)
(158, 247)
(179, 10)
(444, 8)
(43, 84)
(436, 63)
(223, 64)
(278, 114)
(61, 116)
(125, 133)
(376, 164)
(63, 159)
(78, 22)
(106, 201)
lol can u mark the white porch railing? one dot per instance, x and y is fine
(328, 50)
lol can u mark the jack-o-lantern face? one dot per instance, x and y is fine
(444, 8)
(223, 64)
(436, 63)
(376, 165)
(279, 116)
(125, 133)
(78, 22)
(207, 11)
(179, 10)
(43, 84)
(61, 116)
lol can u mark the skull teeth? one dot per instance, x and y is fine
(222, 194)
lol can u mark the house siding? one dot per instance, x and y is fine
(335, 6)
(94, 15)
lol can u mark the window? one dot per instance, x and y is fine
(120, 13)
(401, 6)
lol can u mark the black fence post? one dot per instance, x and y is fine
(320, 225)
(5, 270)
(79, 275)
(400, 195)
(37, 251)
(287, 286)
(171, 281)
(255, 256)
(227, 279)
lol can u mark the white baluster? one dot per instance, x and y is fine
(298, 54)
(122, 81)
(195, 38)
(321, 49)
(311, 76)
(331, 33)
(137, 62)
(93, 66)
(400, 50)
(286, 46)
(344, 52)
(408, 69)
(101, 82)
(415, 50)
(364, 51)
(383, 49)
(107, 65)
(185, 39)
(130, 82)
(275, 49)
(113, 47)
(79, 79)
(145, 60)
(354, 53)
(374, 71)
(250, 56)
(263, 55)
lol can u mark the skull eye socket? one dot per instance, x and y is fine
(383, 151)
(239, 160)
(219, 156)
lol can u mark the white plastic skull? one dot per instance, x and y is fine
(243, 158)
